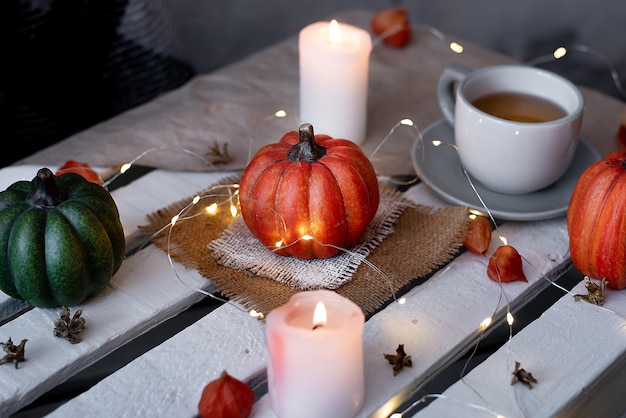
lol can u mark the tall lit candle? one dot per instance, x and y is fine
(334, 70)
(315, 345)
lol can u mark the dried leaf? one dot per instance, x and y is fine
(522, 376)
(399, 360)
(505, 265)
(15, 353)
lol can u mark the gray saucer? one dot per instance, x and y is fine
(440, 169)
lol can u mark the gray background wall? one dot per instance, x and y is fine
(215, 33)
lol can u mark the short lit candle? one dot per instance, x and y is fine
(334, 70)
(315, 345)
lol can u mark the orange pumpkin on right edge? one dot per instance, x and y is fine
(596, 221)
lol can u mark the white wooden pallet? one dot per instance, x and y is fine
(438, 321)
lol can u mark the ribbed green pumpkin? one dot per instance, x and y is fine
(61, 239)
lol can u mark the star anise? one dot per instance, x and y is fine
(521, 375)
(399, 360)
(69, 328)
(595, 292)
(217, 155)
(15, 353)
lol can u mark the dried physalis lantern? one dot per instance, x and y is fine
(226, 397)
(478, 235)
(505, 265)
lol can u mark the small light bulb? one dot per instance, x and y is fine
(509, 318)
(124, 168)
(559, 52)
(212, 209)
(456, 47)
(486, 322)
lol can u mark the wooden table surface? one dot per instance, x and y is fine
(572, 356)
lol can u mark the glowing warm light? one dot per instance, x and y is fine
(504, 240)
(174, 219)
(396, 415)
(486, 322)
(306, 237)
(472, 216)
(401, 301)
(509, 318)
(253, 313)
(211, 209)
(195, 200)
(456, 47)
(280, 113)
(124, 168)
(279, 243)
(334, 32)
(559, 52)
(319, 315)
(437, 142)
(407, 122)
(233, 210)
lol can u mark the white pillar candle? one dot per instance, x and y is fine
(315, 366)
(334, 70)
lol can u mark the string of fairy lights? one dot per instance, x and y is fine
(230, 195)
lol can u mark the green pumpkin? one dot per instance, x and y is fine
(61, 239)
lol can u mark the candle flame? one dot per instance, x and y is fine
(319, 316)
(334, 32)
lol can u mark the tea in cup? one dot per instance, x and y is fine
(516, 127)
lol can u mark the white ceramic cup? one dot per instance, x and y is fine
(507, 156)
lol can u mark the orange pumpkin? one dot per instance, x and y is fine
(596, 221)
(309, 195)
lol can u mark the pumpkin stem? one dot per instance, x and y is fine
(307, 149)
(46, 192)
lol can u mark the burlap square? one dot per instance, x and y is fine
(423, 240)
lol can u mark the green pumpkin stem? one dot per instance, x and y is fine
(46, 192)
(307, 149)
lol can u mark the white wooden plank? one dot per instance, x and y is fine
(169, 381)
(433, 324)
(575, 350)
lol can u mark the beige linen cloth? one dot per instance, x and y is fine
(235, 106)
